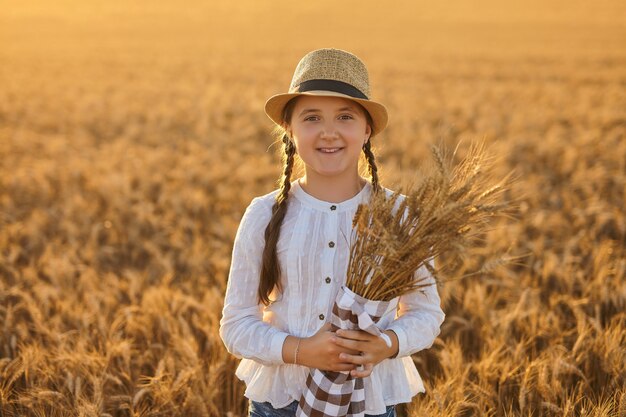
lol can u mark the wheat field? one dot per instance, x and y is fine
(132, 137)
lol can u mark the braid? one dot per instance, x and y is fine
(270, 269)
(371, 160)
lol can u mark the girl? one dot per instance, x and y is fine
(291, 252)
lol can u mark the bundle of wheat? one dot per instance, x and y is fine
(396, 235)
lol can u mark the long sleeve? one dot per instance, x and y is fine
(242, 328)
(419, 317)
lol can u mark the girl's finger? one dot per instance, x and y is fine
(354, 335)
(344, 367)
(362, 373)
(356, 359)
(348, 343)
(350, 351)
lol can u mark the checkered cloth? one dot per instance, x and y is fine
(338, 394)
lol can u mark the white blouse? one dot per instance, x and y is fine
(313, 251)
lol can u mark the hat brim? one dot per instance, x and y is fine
(274, 107)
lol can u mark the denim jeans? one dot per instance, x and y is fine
(257, 409)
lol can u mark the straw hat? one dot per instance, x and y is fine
(330, 72)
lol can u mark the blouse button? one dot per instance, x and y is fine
(333, 207)
(328, 280)
(321, 317)
(331, 244)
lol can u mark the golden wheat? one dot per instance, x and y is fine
(128, 153)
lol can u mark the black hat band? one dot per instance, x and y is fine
(331, 85)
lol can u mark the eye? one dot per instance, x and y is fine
(346, 117)
(310, 118)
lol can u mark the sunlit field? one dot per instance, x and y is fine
(132, 138)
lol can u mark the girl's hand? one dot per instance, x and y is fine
(319, 351)
(372, 349)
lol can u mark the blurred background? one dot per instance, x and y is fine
(132, 138)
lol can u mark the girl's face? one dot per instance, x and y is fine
(329, 133)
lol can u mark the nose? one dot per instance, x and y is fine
(329, 130)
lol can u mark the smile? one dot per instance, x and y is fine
(329, 150)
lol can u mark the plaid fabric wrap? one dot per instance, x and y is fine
(335, 394)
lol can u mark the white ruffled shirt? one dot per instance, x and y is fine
(313, 251)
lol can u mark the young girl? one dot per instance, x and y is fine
(290, 254)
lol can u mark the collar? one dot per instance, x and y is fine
(349, 204)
